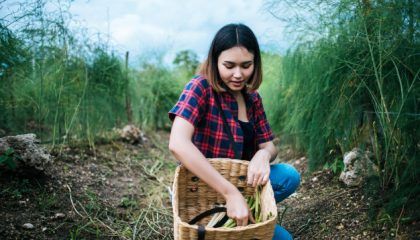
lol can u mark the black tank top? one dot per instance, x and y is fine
(249, 140)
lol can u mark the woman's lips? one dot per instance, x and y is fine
(237, 84)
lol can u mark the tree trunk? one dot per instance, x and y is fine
(127, 93)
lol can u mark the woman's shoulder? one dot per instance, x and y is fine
(198, 81)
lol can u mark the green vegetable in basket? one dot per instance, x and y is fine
(230, 223)
(254, 204)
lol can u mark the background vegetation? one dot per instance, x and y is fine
(353, 81)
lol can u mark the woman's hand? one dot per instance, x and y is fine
(259, 168)
(237, 208)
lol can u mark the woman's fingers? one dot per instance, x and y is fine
(265, 179)
(260, 180)
(256, 179)
(250, 178)
(251, 218)
(238, 222)
(257, 176)
(242, 221)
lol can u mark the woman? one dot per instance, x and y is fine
(230, 75)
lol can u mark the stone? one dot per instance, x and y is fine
(357, 166)
(59, 215)
(26, 151)
(28, 226)
(132, 134)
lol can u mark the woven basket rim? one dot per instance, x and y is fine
(178, 220)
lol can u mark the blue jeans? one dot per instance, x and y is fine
(284, 179)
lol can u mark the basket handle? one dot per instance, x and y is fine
(201, 229)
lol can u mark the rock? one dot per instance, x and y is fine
(294, 195)
(357, 166)
(59, 215)
(28, 226)
(93, 167)
(125, 179)
(132, 134)
(26, 151)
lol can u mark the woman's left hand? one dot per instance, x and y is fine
(259, 168)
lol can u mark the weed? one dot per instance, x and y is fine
(337, 166)
(8, 158)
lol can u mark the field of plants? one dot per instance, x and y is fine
(350, 80)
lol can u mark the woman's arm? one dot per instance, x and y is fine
(259, 167)
(270, 148)
(187, 153)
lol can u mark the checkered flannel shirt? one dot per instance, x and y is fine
(198, 106)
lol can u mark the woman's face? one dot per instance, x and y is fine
(235, 66)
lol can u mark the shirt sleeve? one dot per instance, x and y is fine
(191, 104)
(263, 130)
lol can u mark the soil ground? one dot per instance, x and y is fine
(117, 190)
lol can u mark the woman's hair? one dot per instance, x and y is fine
(232, 35)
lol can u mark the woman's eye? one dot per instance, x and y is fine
(229, 66)
(246, 66)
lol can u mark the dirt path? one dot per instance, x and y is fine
(324, 208)
(119, 191)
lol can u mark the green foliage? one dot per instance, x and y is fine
(8, 158)
(187, 60)
(66, 88)
(127, 202)
(13, 56)
(337, 166)
(92, 204)
(271, 86)
(356, 85)
(47, 201)
(61, 88)
(157, 91)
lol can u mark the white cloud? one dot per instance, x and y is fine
(141, 25)
(122, 28)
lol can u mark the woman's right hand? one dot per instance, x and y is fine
(237, 208)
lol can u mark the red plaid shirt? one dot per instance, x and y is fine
(198, 106)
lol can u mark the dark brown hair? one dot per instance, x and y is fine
(229, 36)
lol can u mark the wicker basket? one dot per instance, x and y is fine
(192, 197)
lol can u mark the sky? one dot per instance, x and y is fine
(166, 26)
(141, 26)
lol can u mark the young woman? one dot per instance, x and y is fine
(231, 75)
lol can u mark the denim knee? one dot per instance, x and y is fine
(281, 234)
(284, 179)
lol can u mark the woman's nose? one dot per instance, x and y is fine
(237, 72)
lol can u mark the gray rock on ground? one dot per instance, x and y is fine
(27, 147)
(357, 166)
(132, 134)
